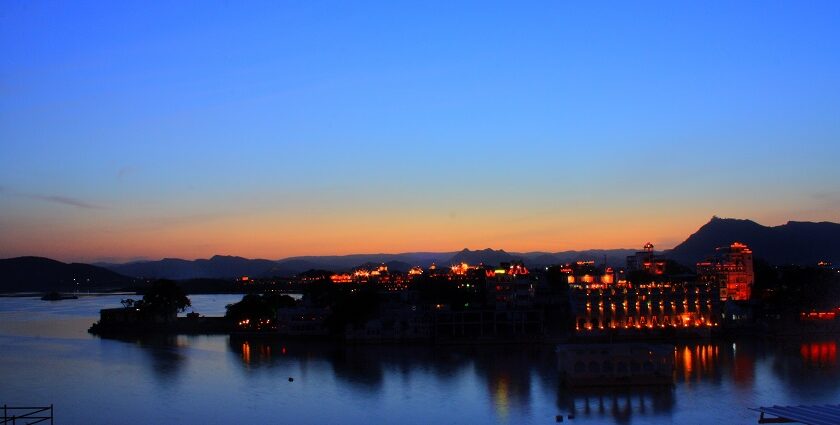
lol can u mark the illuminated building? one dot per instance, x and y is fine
(314, 276)
(603, 302)
(586, 273)
(819, 315)
(392, 281)
(302, 321)
(508, 290)
(341, 278)
(465, 273)
(646, 260)
(656, 305)
(379, 271)
(516, 268)
(462, 269)
(361, 275)
(732, 270)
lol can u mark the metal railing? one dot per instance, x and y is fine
(26, 415)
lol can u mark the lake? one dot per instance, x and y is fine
(47, 357)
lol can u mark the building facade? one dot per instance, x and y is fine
(731, 269)
(602, 301)
(654, 305)
(646, 260)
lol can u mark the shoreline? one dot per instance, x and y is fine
(216, 325)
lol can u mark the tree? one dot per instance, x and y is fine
(354, 308)
(254, 306)
(258, 311)
(165, 297)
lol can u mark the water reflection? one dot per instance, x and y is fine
(507, 374)
(710, 362)
(513, 377)
(355, 366)
(620, 404)
(819, 354)
(697, 362)
(510, 375)
(742, 358)
(165, 354)
(48, 356)
(262, 353)
(358, 369)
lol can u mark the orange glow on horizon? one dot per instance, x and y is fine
(95, 236)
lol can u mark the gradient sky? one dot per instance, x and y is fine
(176, 129)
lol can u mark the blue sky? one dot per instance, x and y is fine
(144, 129)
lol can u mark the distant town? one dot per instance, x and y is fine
(650, 298)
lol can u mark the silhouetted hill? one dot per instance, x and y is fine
(792, 243)
(803, 243)
(287, 268)
(225, 267)
(221, 266)
(297, 265)
(399, 266)
(38, 274)
(217, 267)
(486, 256)
(613, 257)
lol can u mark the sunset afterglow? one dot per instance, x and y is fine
(356, 132)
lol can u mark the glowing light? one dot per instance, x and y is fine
(246, 352)
(341, 278)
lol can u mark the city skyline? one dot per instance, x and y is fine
(266, 130)
(419, 212)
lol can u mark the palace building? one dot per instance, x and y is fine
(731, 269)
(603, 301)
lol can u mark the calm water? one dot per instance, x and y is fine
(48, 357)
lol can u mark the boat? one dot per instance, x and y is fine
(57, 296)
(617, 364)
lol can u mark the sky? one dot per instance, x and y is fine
(143, 130)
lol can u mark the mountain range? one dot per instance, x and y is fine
(796, 242)
(227, 266)
(35, 274)
(803, 243)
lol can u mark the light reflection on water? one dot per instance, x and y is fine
(47, 357)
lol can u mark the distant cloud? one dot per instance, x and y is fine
(164, 222)
(124, 171)
(823, 206)
(64, 200)
(832, 198)
(56, 199)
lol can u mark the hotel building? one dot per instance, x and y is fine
(731, 269)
